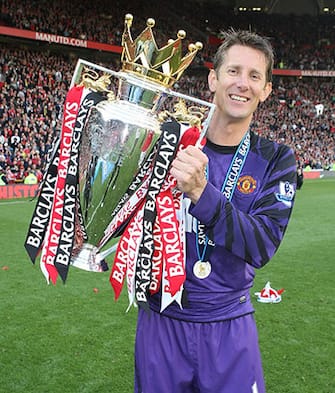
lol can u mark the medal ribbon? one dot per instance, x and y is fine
(204, 244)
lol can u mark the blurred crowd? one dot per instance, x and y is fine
(301, 41)
(33, 84)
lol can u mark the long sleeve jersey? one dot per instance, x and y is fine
(247, 230)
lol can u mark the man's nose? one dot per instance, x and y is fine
(243, 81)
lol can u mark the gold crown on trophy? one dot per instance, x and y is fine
(144, 59)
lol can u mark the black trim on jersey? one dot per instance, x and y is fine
(286, 160)
(266, 200)
(260, 243)
(247, 256)
(221, 149)
(231, 149)
(229, 238)
(215, 217)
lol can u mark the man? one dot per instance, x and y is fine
(241, 190)
(300, 177)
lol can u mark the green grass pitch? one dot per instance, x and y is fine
(72, 339)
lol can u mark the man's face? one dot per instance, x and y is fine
(240, 83)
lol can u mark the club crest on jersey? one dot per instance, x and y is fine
(286, 193)
(246, 184)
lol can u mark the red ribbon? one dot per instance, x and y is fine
(71, 109)
(173, 253)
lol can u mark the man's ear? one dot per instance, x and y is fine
(266, 91)
(212, 81)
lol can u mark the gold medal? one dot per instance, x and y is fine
(202, 269)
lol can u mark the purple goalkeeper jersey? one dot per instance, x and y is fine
(247, 230)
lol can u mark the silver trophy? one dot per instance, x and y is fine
(118, 139)
(121, 133)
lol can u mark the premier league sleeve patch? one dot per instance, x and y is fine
(286, 193)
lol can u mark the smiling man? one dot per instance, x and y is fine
(239, 190)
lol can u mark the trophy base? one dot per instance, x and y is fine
(89, 259)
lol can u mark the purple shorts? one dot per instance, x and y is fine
(173, 356)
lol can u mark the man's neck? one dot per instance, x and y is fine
(227, 134)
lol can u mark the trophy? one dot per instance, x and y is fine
(111, 146)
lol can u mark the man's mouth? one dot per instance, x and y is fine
(238, 98)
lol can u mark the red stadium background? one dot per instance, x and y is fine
(40, 45)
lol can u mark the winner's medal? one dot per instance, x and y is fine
(202, 269)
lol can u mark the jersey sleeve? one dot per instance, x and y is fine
(256, 234)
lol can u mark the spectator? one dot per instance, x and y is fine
(30, 178)
(3, 178)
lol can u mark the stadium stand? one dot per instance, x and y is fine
(35, 78)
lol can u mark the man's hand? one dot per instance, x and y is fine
(189, 168)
